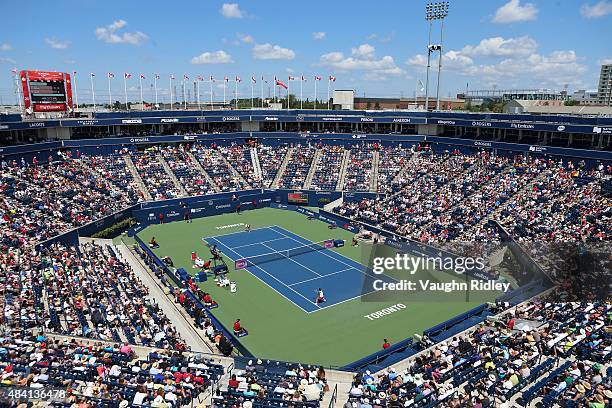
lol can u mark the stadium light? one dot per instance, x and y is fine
(435, 11)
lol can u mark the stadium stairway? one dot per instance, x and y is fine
(198, 166)
(342, 175)
(313, 168)
(281, 170)
(170, 174)
(374, 180)
(232, 169)
(141, 185)
(255, 163)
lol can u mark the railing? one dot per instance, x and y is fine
(334, 397)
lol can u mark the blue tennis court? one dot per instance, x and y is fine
(297, 277)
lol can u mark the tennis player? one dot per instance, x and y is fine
(320, 296)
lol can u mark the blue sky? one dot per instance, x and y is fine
(377, 48)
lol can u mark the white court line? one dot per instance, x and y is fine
(276, 279)
(261, 242)
(292, 260)
(237, 232)
(323, 276)
(327, 255)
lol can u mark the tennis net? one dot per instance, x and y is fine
(283, 254)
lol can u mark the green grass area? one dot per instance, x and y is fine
(280, 330)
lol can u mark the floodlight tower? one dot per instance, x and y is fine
(435, 11)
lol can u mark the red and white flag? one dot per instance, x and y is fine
(127, 75)
(110, 75)
(142, 76)
(253, 80)
(317, 78)
(280, 83)
(238, 79)
(332, 78)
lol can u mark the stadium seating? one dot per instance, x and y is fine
(430, 196)
(298, 166)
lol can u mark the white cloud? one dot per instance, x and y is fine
(7, 60)
(364, 51)
(58, 45)
(5, 47)
(517, 66)
(270, 52)
(245, 38)
(597, 10)
(319, 35)
(231, 10)
(514, 12)
(451, 61)
(501, 47)
(215, 57)
(363, 59)
(605, 61)
(109, 34)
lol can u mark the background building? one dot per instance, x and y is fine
(583, 97)
(605, 85)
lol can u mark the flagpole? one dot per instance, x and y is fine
(155, 88)
(224, 82)
(252, 93)
(93, 93)
(171, 101)
(211, 94)
(198, 90)
(301, 82)
(416, 86)
(315, 96)
(17, 84)
(110, 97)
(262, 82)
(236, 91)
(76, 93)
(141, 98)
(184, 94)
(328, 82)
(275, 101)
(288, 87)
(125, 91)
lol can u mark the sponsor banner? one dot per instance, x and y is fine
(203, 208)
(587, 125)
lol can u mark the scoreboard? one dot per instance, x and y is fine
(297, 198)
(45, 91)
